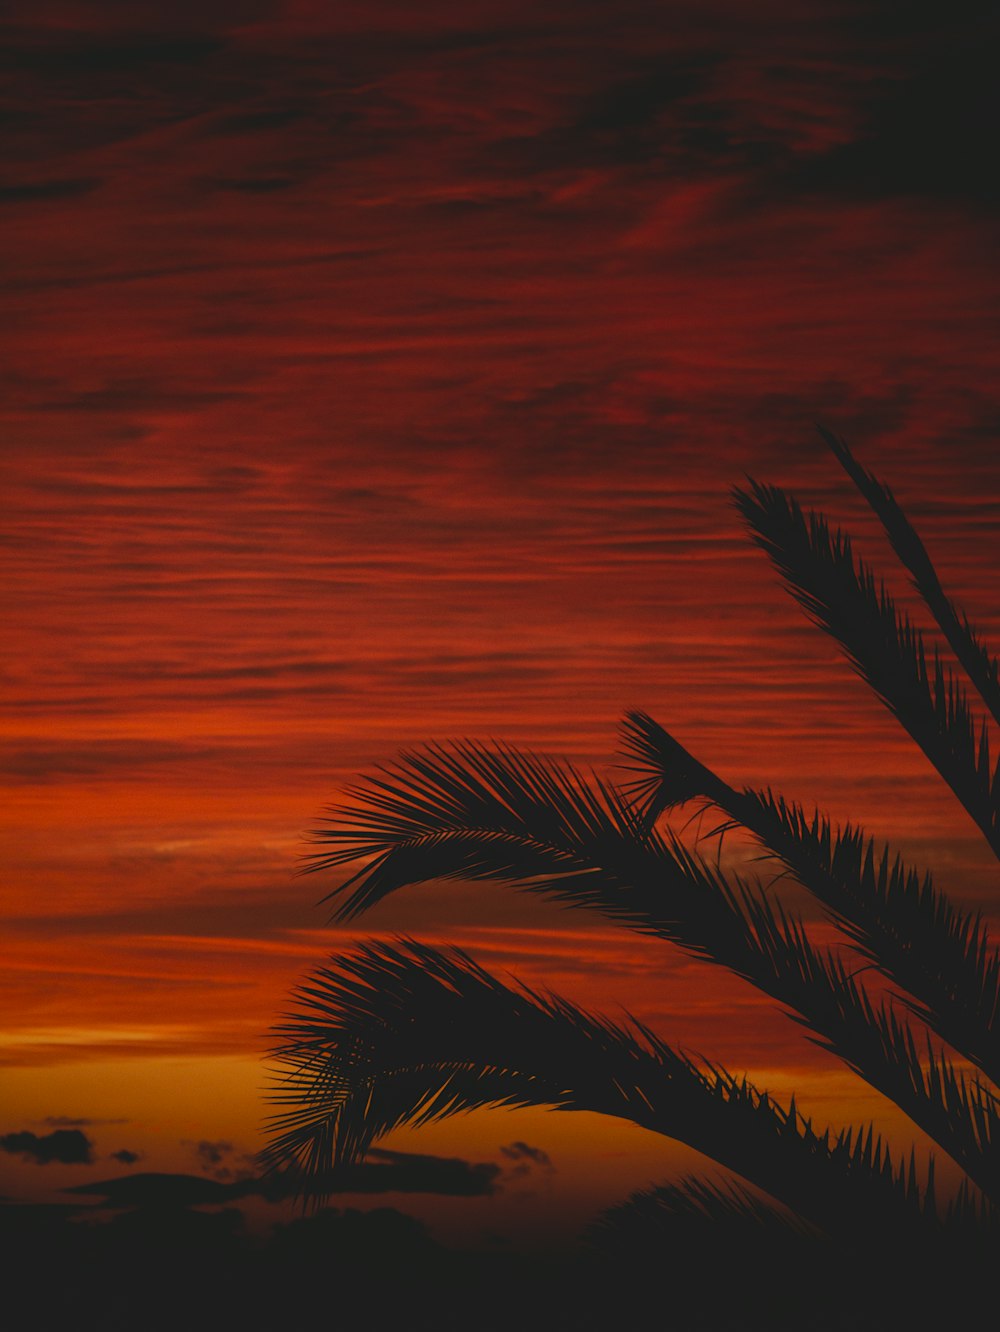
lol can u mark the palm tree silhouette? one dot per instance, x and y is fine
(404, 1033)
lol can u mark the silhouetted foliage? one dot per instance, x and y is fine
(404, 1033)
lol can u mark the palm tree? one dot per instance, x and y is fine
(404, 1033)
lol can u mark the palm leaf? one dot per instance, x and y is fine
(843, 597)
(658, 1218)
(408, 1034)
(468, 811)
(494, 814)
(939, 955)
(976, 659)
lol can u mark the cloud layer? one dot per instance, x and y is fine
(374, 377)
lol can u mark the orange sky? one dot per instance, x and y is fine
(371, 380)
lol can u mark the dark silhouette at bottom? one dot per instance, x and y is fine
(170, 1267)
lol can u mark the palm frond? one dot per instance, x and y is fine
(844, 598)
(820, 993)
(660, 1217)
(407, 1034)
(939, 956)
(979, 664)
(494, 814)
(468, 811)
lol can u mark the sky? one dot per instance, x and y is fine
(378, 373)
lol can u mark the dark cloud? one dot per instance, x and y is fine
(526, 1159)
(62, 53)
(857, 109)
(249, 122)
(406, 1172)
(629, 121)
(48, 762)
(921, 19)
(77, 1121)
(934, 133)
(213, 1153)
(122, 396)
(65, 1146)
(223, 1161)
(520, 1151)
(254, 184)
(125, 1156)
(384, 1172)
(157, 1190)
(40, 190)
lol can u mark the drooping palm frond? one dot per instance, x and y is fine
(471, 811)
(979, 664)
(940, 956)
(407, 1034)
(827, 1000)
(668, 1213)
(844, 598)
(495, 814)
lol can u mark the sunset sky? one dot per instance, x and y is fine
(377, 373)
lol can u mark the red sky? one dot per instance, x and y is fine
(378, 373)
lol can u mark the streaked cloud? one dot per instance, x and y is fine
(372, 380)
